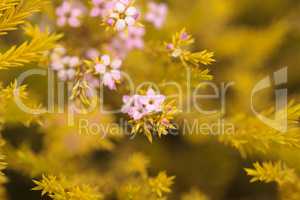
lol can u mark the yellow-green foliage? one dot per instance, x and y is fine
(252, 136)
(15, 12)
(288, 181)
(226, 40)
(31, 51)
(3, 165)
(59, 188)
(10, 112)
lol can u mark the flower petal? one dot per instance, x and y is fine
(131, 11)
(116, 64)
(130, 20)
(120, 25)
(105, 59)
(100, 68)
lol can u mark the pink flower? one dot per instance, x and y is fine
(92, 54)
(122, 15)
(68, 14)
(110, 71)
(134, 38)
(170, 46)
(93, 83)
(157, 14)
(123, 43)
(117, 48)
(152, 102)
(130, 102)
(138, 106)
(64, 65)
(133, 107)
(100, 8)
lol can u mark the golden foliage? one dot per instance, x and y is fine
(3, 166)
(161, 183)
(9, 110)
(31, 51)
(286, 178)
(59, 188)
(253, 136)
(14, 13)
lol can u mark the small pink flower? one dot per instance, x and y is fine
(157, 14)
(117, 47)
(184, 36)
(139, 113)
(130, 102)
(123, 43)
(152, 102)
(100, 8)
(122, 15)
(110, 71)
(134, 38)
(92, 54)
(68, 14)
(170, 46)
(65, 66)
(138, 106)
(133, 107)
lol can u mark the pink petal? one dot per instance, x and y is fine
(150, 92)
(95, 12)
(108, 81)
(130, 20)
(120, 7)
(100, 68)
(120, 25)
(116, 64)
(116, 75)
(61, 21)
(62, 75)
(105, 59)
(74, 22)
(71, 74)
(131, 11)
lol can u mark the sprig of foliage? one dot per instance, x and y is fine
(59, 188)
(3, 165)
(179, 48)
(31, 51)
(10, 112)
(14, 13)
(268, 172)
(161, 184)
(159, 124)
(252, 136)
(6, 4)
(288, 181)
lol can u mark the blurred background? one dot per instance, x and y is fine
(250, 38)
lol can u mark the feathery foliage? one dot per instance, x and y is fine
(31, 51)
(15, 12)
(59, 188)
(286, 178)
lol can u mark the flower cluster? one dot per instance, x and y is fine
(69, 14)
(109, 69)
(101, 8)
(63, 64)
(156, 14)
(122, 15)
(137, 106)
(178, 49)
(150, 114)
(123, 43)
